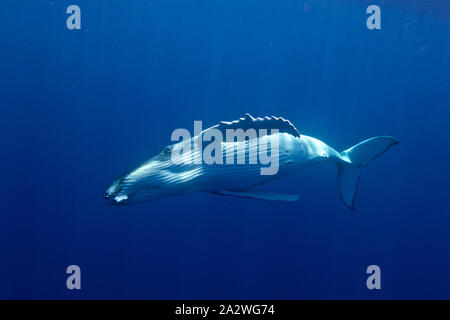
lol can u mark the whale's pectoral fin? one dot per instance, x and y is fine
(262, 195)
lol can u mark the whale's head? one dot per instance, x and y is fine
(116, 194)
(144, 184)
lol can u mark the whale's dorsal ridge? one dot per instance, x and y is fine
(283, 125)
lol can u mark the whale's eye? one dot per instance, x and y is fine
(165, 154)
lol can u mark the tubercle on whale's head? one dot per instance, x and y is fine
(114, 195)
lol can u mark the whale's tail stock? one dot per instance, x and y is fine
(354, 158)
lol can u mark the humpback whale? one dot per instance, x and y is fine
(165, 175)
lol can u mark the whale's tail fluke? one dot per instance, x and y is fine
(360, 155)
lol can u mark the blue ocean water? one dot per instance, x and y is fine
(82, 107)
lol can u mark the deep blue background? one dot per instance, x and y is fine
(81, 108)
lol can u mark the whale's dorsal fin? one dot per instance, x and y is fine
(283, 125)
